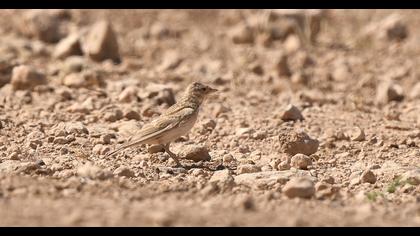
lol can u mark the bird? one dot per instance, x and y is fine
(175, 122)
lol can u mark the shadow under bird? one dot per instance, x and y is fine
(175, 122)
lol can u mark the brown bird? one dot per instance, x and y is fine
(175, 122)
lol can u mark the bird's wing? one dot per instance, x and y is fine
(157, 127)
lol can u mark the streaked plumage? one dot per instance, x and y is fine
(175, 122)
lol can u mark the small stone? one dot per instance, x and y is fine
(257, 69)
(301, 161)
(242, 34)
(102, 44)
(222, 177)
(292, 44)
(131, 115)
(328, 179)
(243, 131)
(60, 140)
(389, 91)
(300, 77)
(197, 172)
(321, 186)
(209, 124)
(282, 66)
(114, 115)
(228, 158)
(14, 156)
(248, 168)
(26, 77)
(69, 46)
(357, 134)
(297, 142)
(74, 64)
(106, 138)
(76, 128)
(41, 24)
(128, 95)
(412, 176)
(291, 113)
(84, 79)
(124, 171)
(155, 149)
(284, 165)
(299, 187)
(368, 177)
(195, 152)
(394, 28)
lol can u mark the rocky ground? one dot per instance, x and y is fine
(316, 122)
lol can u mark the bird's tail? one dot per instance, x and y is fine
(134, 143)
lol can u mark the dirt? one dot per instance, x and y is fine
(316, 122)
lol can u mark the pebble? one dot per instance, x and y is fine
(393, 28)
(102, 44)
(195, 153)
(368, 177)
(297, 142)
(242, 34)
(248, 168)
(357, 134)
(25, 78)
(228, 158)
(388, 91)
(124, 171)
(284, 165)
(84, 79)
(131, 115)
(291, 112)
(243, 131)
(300, 187)
(69, 46)
(301, 161)
(76, 128)
(41, 24)
(114, 115)
(128, 95)
(412, 176)
(282, 66)
(292, 44)
(74, 64)
(222, 177)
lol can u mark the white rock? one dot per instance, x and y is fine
(299, 187)
(301, 161)
(69, 46)
(248, 168)
(26, 77)
(102, 44)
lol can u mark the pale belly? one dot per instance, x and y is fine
(175, 133)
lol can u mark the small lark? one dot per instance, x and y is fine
(174, 122)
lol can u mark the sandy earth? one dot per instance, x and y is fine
(316, 122)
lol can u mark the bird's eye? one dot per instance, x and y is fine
(203, 89)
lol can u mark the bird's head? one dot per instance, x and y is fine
(199, 91)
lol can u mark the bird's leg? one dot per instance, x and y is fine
(171, 154)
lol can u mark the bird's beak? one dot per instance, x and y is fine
(213, 90)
